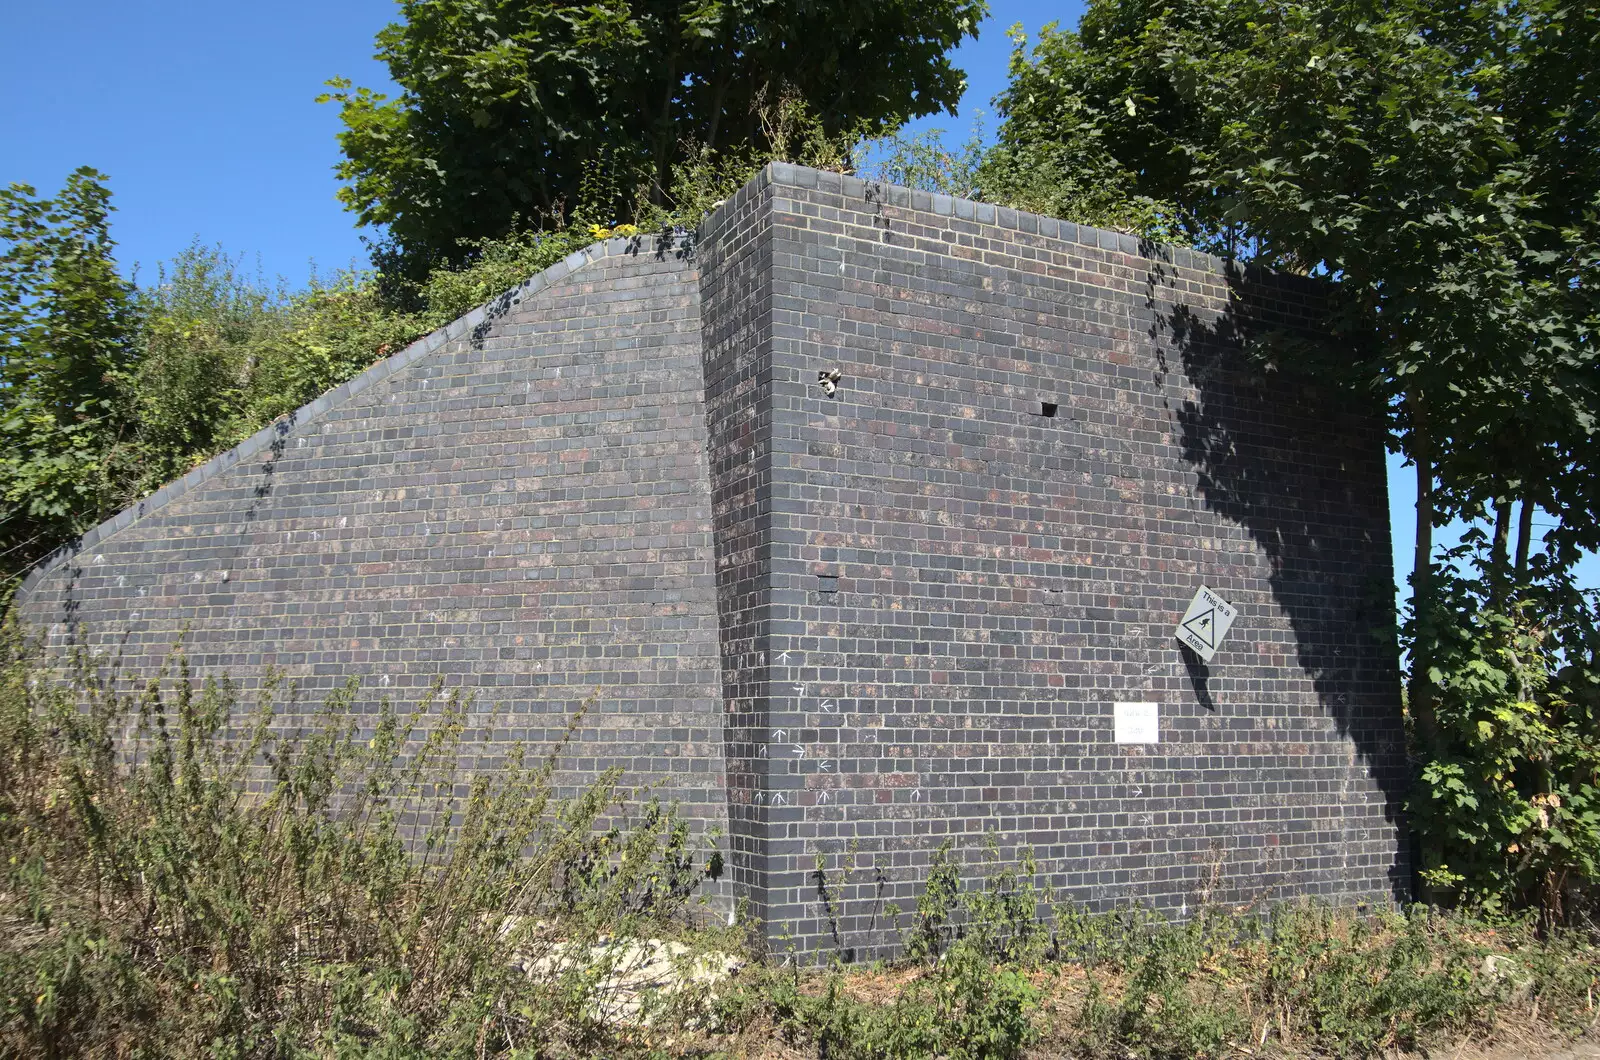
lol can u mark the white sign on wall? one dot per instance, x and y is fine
(1205, 623)
(1137, 722)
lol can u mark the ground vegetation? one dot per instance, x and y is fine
(187, 873)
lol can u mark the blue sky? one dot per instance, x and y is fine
(201, 114)
(203, 117)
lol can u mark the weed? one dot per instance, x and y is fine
(184, 877)
(962, 1007)
(181, 880)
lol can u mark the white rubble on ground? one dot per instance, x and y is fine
(634, 978)
(1499, 970)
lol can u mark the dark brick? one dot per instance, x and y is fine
(853, 625)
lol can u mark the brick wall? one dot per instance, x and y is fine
(518, 504)
(859, 625)
(735, 257)
(959, 587)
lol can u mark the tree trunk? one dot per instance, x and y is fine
(1421, 688)
(718, 101)
(662, 179)
(1524, 536)
(1500, 557)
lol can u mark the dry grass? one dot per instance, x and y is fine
(149, 908)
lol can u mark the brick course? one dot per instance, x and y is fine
(517, 506)
(856, 625)
(958, 587)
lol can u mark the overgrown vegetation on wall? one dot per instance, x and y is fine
(111, 389)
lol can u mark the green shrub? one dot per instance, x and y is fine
(1371, 984)
(184, 880)
(963, 1007)
(1002, 917)
(969, 998)
(1170, 1005)
(1508, 801)
(1307, 977)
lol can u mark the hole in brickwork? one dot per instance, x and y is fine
(1047, 409)
(827, 583)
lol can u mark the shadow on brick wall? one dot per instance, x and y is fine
(1299, 465)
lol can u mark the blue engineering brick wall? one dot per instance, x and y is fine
(517, 504)
(735, 256)
(941, 591)
(857, 625)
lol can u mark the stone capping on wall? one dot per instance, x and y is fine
(377, 373)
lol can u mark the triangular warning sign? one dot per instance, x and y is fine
(1205, 622)
(1201, 625)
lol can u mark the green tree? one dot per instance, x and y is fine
(204, 327)
(1054, 154)
(507, 105)
(110, 391)
(1438, 165)
(66, 320)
